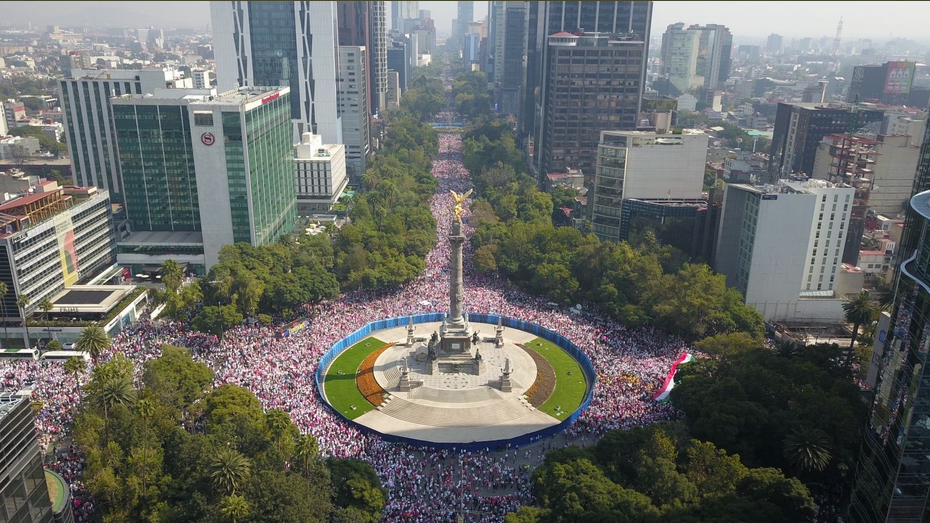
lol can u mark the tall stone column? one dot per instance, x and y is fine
(456, 283)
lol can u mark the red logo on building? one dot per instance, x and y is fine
(270, 98)
(207, 139)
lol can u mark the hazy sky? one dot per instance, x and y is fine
(747, 20)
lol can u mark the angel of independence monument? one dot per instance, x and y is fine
(454, 353)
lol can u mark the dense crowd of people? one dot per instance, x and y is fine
(423, 484)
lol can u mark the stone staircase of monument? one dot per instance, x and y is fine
(496, 413)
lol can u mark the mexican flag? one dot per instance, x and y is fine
(666, 389)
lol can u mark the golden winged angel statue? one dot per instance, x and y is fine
(459, 200)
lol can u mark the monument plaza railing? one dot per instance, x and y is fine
(583, 361)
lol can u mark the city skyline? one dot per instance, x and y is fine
(811, 19)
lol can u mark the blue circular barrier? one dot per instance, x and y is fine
(583, 361)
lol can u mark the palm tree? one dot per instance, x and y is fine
(75, 366)
(859, 310)
(93, 340)
(788, 348)
(171, 275)
(46, 305)
(306, 453)
(229, 469)
(4, 290)
(22, 302)
(885, 294)
(234, 507)
(278, 421)
(807, 449)
(117, 390)
(146, 408)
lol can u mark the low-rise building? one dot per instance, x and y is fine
(18, 147)
(320, 173)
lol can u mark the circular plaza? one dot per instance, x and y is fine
(391, 378)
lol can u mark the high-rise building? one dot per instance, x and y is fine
(715, 44)
(680, 48)
(290, 44)
(398, 60)
(495, 41)
(773, 45)
(608, 18)
(377, 57)
(799, 127)
(572, 113)
(362, 24)
(85, 107)
(466, 14)
(696, 56)
(219, 166)
(636, 165)
(401, 11)
(512, 68)
(23, 490)
(320, 173)
(889, 485)
(781, 246)
(353, 101)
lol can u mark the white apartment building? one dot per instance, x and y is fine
(647, 166)
(353, 105)
(320, 173)
(781, 246)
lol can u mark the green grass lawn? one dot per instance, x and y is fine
(569, 389)
(341, 390)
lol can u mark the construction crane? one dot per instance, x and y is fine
(836, 40)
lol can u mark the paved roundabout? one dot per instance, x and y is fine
(527, 387)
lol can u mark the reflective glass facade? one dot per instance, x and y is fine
(892, 481)
(158, 166)
(272, 35)
(23, 491)
(271, 173)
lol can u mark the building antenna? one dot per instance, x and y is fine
(836, 40)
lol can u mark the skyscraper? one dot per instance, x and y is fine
(680, 48)
(466, 14)
(356, 120)
(85, 108)
(547, 18)
(573, 114)
(362, 24)
(713, 61)
(401, 11)
(282, 44)
(507, 44)
(890, 482)
(218, 165)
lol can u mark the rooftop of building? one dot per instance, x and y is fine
(9, 401)
(233, 97)
(793, 186)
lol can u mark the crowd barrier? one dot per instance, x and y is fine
(583, 361)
